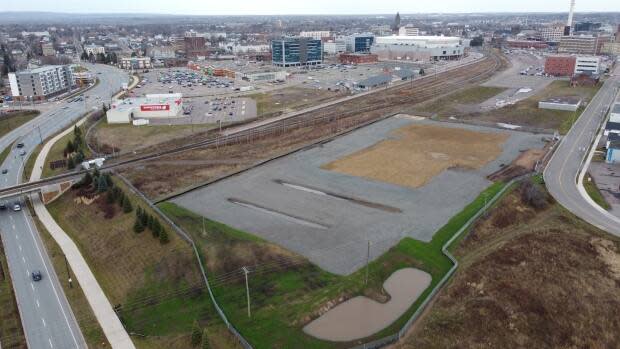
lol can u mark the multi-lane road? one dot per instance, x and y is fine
(565, 165)
(46, 315)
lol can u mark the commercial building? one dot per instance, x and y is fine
(527, 44)
(317, 35)
(418, 48)
(296, 51)
(408, 30)
(161, 52)
(195, 45)
(94, 49)
(359, 42)
(41, 83)
(582, 44)
(135, 63)
(357, 58)
(611, 48)
(587, 64)
(613, 153)
(374, 82)
(560, 65)
(148, 107)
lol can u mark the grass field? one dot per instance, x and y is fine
(31, 160)
(5, 153)
(157, 288)
(15, 119)
(595, 194)
(527, 113)
(448, 105)
(127, 138)
(288, 292)
(11, 332)
(283, 101)
(526, 280)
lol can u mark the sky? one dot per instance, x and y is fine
(282, 7)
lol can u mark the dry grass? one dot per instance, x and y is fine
(417, 153)
(291, 99)
(528, 279)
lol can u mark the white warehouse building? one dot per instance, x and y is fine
(149, 107)
(418, 48)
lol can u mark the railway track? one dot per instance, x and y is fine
(383, 102)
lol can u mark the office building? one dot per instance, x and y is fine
(296, 51)
(335, 47)
(581, 44)
(418, 48)
(41, 83)
(588, 65)
(47, 49)
(552, 33)
(611, 48)
(359, 42)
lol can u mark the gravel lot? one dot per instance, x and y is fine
(329, 217)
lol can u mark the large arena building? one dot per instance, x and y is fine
(151, 106)
(418, 48)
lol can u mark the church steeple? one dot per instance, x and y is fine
(396, 21)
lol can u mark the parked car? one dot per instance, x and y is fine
(36, 275)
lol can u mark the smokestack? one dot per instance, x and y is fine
(569, 22)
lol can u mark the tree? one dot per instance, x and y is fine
(422, 73)
(196, 336)
(102, 184)
(150, 222)
(110, 197)
(156, 229)
(69, 148)
(163, 237)
(137, 226)
(108, 179)
(71, 163)
(127, 207)
(205, 340)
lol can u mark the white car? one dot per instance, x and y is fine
(17, 207)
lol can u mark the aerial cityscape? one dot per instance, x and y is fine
(188, 175)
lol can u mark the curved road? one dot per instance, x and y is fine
(562, 171)
(47, 318)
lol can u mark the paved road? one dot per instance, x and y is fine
(565, 165)
(46, 316)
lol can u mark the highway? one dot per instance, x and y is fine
(47, 318)
(565, 165)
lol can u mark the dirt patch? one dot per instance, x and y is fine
(543, 280)
(525, 163)
(361, 317)
(417, 153)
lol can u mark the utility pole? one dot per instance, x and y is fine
(247, 289)
(367, 261)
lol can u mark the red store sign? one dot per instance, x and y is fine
(154, 107)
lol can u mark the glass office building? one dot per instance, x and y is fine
(362, 43)
(296, 51)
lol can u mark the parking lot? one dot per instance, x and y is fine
(329, 216)
(208, 110)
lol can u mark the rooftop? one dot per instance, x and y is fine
(616, 108)
(420, 38)
(563, 100)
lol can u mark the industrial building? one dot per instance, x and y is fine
(374, 81)
(135, 63)
(359, 42)
(41, 83)
(265, 76)
(151, 106)
(560, 65)
(560, 103)
(296, 51)
(418, 48)
(552, 33)
(357, 58)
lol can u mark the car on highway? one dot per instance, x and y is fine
(36, 275)
(2, 205)
(20, 145)
(17, 207)
(5, 171)
(22, 153)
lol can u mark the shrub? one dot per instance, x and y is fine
(196, 336)
(137, 226)
(127, 207)
(163, 237)
(533, 195)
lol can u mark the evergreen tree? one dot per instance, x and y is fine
(71, 163)
(137, 226)
(205, 340)
(145, 218)
(149, 222)
(196, 336)
(69, 148)
(108, 180)
(163, 237)
(127, 207)
(96, 173)
(102, 184)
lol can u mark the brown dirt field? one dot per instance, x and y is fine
(420, 152)
(528, 279)
(525, 163)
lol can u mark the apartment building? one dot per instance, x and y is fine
(41, 83)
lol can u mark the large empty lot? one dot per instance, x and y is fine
(329, 216)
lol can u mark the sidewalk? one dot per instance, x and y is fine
(110, 324)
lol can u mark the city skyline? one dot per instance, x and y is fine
(277, 7)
